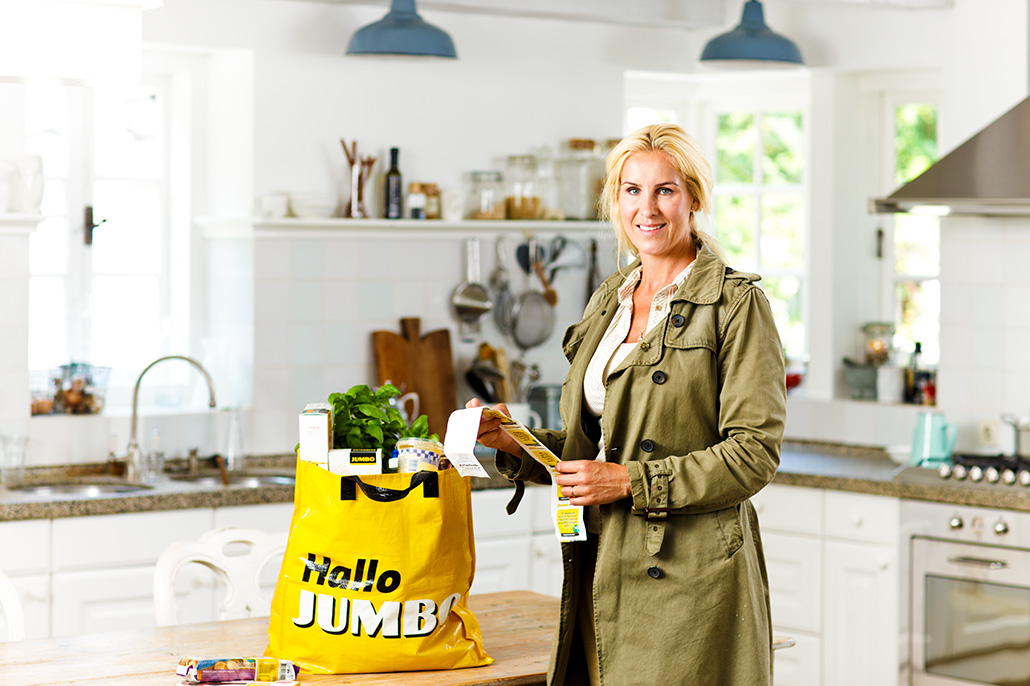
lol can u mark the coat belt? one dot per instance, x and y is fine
(657, 512)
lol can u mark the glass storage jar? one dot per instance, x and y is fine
(580, 171)
(522, 197)
(485, 199)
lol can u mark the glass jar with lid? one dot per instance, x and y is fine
(521, 195)
(580, 172)
(485, 199)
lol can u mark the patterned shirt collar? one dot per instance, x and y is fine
(630, 284)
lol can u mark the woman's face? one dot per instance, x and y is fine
(655, 207)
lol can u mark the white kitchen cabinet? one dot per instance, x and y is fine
(794, 565)
(546, 570)
(799, 665)
(25, 559)
(862, 588)
(791, 523)
(519, 551)
(832, 559)
(122, 598)
(103, 570)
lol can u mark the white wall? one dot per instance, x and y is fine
(525, 82)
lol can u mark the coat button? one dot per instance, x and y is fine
(647, 445)
(654, 572)
(678, 320)
(659, 377)
(644, 345)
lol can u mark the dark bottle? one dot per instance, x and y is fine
(394, 188)
(914, 376)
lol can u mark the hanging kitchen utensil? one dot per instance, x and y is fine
(534, 318)
(500, 280)
(550, 295)
(571, 256)
(471, 300)
(594, 279)
(522, 255)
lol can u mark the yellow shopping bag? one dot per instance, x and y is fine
(376, 574)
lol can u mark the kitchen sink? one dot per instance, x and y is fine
(244, 479)
(85, 489)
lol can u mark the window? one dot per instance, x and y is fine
(753, 133)
(121, 302)
(913, 295)
(759, 208)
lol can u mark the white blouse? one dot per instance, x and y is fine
(611, 351)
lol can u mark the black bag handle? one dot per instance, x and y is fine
(429, 481)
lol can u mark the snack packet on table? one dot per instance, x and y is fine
(222, 670)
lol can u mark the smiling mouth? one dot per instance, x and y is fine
(650, 228)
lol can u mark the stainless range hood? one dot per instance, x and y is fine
(988, 175)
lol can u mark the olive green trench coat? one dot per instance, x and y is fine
(696, 413)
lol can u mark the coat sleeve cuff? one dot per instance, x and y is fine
(638, 485)
(519, 468)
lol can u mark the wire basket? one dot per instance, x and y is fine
(74, 388)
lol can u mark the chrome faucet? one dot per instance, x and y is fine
(132, 453)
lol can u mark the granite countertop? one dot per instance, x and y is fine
(164, 494)
(808, 464)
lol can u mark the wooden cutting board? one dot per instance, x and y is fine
(419, 364)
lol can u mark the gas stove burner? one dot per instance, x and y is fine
(1005, 470)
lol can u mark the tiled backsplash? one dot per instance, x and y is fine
(318, 295)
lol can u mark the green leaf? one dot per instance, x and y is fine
(376, 431)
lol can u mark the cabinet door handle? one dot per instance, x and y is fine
(978, 562)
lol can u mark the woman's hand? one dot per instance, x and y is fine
(590, 482)
(490, 433)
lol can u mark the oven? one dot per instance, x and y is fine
(968, 596)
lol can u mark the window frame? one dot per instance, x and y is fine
(698, 99)
(175, 239)
(890, 98)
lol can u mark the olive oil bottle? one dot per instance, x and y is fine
(394, 188)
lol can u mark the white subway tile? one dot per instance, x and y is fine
(50, 440)
(307, 259)
(271, 344)
(90, 439)
(340, 301)
(376, 300)
(306, 386)
(272, 258)
(306, 344)
(271, 388)
(306, 301)
(274, 431)
(271, 301)
(340, 344)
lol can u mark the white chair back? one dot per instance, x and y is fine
(239, 572)
(10, 603)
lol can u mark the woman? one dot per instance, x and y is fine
(673, 410)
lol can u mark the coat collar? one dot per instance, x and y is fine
(702, 287)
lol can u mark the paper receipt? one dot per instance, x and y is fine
(463, 426)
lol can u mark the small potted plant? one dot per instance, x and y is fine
(364, 418)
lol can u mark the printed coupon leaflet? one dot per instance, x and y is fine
(568, 519)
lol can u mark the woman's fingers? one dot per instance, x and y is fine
(589, 482)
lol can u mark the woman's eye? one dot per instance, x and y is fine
(665, 191)
(632, 191)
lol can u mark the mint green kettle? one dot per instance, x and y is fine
(933, 440)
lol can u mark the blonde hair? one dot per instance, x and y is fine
(684, 154)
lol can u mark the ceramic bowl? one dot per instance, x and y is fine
(899, 453)
(313, 205)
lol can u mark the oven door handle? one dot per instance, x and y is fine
(978, 562)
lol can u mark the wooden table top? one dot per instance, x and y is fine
(518, 627)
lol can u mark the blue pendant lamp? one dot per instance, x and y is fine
(751, 44)
(401, 32)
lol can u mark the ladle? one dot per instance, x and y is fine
(471, 300)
